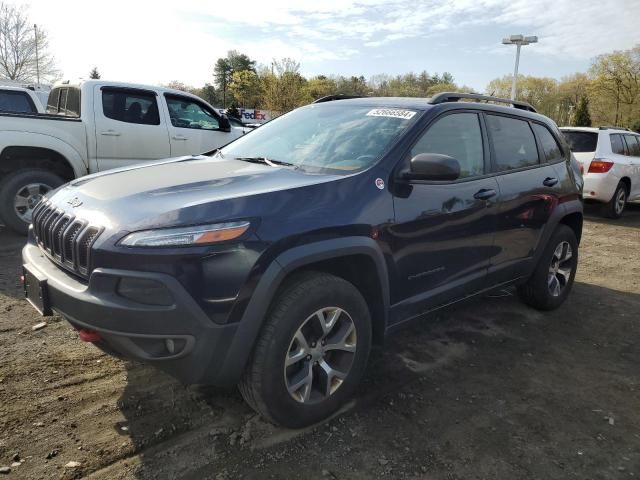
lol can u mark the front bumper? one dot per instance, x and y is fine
(179, 339)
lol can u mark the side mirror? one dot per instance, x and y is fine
(224, 123)
(433, 166)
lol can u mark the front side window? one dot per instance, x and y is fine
(332, 137)
(617, 144)
(513, 143)
(16, 102)
(633, 145)
(131, 106)
(551, 149)
(187, 113)
(458, 136)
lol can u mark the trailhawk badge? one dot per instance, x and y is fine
(380, 183)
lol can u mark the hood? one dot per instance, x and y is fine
(173, 192)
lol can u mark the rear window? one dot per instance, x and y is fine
(581, 141)
(64, 101)
(16, 102)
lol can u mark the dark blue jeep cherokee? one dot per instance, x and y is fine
(276, 262)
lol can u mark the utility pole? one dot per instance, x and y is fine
(519, 41)
(35, 32)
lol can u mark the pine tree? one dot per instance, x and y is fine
(582, 117)
(94, 74)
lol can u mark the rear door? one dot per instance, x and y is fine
(128, 126)
(529, 189)
(633, 148)
(443, 234)
(194, 127)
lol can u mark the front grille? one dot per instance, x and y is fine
(65, 239)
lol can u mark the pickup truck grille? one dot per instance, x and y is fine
(67, 241)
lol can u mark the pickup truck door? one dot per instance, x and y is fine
(194, 127)
(129, 128)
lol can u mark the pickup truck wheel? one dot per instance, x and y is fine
(312, 351)
(614, 207)
(20, 192)
(553, 278)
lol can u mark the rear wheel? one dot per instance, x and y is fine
(553, 278)
(614, 207)
(20, 192)
(312, 351)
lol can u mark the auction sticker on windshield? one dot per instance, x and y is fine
(391, 113)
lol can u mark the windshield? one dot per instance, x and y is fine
(325, 138)
(581, 141)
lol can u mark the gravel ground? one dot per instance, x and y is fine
(486, 390)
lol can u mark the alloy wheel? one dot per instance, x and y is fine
(621, 200)
(320, 355)
(560, 268)
(27, 198)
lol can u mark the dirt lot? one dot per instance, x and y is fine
(487, 390)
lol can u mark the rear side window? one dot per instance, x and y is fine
(514, 145)
(633, 145)
(131, 106)
(581, 142)
(551, 149)
(459, 136)
(617, 145)
(16, 102)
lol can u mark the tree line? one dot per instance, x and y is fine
(608, 93)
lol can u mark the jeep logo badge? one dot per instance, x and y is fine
(74, 202)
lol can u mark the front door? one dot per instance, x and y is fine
(128, 127)
(529, 190)
(194, 127)
(442, 238)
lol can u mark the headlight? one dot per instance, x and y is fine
(185, 236)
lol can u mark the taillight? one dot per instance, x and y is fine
(600, 166)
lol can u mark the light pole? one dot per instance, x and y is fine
(35, 32)
(519, 41)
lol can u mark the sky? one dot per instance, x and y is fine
(156, 42)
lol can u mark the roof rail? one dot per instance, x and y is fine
(608, 127)
(331, 98)
(455, 96)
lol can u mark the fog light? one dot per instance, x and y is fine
(145, 291)
(170, 345)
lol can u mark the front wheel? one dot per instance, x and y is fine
(20, 192)
(312, 351)
(551, 281)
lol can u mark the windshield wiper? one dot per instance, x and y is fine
(267, 161)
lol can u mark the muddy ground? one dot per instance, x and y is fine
(487, 390)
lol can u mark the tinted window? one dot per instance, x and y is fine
(73, 102)
(550, 147)
(617, 145)
(52, 103)
(633, 145)
(581, 141)
(187, 113)
(17, 102)
(62, 104)
(130, 106)
(513, 143)
(458, 136)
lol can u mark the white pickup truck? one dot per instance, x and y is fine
(97, 125)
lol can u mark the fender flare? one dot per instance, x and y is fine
(38, 140)
(564, 210)
(290, 260)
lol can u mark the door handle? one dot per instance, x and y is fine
(110, 133)
(179, 137)
(550, 181)
(485, 194)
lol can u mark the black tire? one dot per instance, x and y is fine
(615, 207)
(537, 292)
(14, 183)
(264, 383)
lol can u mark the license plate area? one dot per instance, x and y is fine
(35, 291)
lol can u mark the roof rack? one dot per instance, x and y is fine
(331, 98)
(445, 97)
(608, 127)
